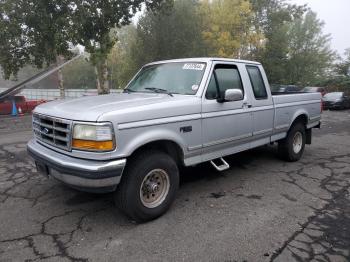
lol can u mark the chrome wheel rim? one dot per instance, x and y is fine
(297, 142)
(154, 188)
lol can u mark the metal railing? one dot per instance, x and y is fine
(52, 94)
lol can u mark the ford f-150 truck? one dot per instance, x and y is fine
(171, 114)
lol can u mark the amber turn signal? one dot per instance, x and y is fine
(92, 145)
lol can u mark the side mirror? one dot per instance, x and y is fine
(232, 95)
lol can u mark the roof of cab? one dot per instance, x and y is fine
(205, 60)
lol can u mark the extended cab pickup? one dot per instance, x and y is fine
(172, 113)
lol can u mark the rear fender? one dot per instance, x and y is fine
(300, 113)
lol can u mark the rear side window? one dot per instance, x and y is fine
(257, 82)
(227, 78)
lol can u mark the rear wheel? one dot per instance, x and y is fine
(148, 186)
(292, 147)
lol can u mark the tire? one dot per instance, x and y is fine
(137, 194)
(287, 149)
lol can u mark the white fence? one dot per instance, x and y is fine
(52, 94)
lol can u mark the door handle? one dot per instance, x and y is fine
(246, 104)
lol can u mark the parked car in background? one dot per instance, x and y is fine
(314, 89)
(285, 89)
(336, 100)
(26, 106)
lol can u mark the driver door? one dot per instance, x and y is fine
(226, 126)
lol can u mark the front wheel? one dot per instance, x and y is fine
(148, 186)
(292, 147)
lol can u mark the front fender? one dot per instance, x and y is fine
(147, 136)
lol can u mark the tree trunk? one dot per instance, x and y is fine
(105, 77)
(60, 78)
(98, 84)
(102, 83)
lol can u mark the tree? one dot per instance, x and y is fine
(274, 32)
(309, 52)
(40, 32)
(171, 32)
(339, 78)
(79, 74)
(93, 21)
(121, 62)
(272, 19)
(233, 36)
(34, 32)
(343, 66)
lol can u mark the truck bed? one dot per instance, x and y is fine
(288, 106)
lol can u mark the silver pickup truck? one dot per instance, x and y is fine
(172, 113)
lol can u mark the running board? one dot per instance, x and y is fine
(221, 167)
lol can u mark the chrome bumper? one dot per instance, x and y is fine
(88, 175)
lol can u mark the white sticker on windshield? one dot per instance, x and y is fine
(193, 66)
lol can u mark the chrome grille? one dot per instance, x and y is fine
(53, 131)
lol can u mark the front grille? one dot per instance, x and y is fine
(53, 131)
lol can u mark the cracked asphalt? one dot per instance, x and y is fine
(261, 209)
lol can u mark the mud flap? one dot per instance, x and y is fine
(308, 136)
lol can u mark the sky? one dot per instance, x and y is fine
(336, 16)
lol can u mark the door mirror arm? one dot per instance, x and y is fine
(220, 100)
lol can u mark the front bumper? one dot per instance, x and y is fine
(87, 175)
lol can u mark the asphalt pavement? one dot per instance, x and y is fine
(261, 209)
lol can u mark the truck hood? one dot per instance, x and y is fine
(126, 107)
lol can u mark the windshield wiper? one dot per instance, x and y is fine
(127, 90)
(159, 90)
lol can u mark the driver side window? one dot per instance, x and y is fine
(227, 77)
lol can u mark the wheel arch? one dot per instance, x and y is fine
(167, 146)
(300, 116)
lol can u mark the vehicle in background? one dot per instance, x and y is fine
(285, 89)
(26, 106)
(336, 100)
(314, 89)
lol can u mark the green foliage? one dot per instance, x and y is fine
(169, 33)
(97, 18)
(288, 41)
(33, 32)
(37, 32)
(339, 80)
(120, 62)
(343, 66)
(273, 18)
(286, 38)
(296, 51)
(165, 34)
(336, 83)
(79, 74)
(232, 36)
(94, 21)
(309, 52)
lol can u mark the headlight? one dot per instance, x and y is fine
(93, 137)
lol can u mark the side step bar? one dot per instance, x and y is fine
(221, 167)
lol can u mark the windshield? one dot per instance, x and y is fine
(334, 95)
(172, 78)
